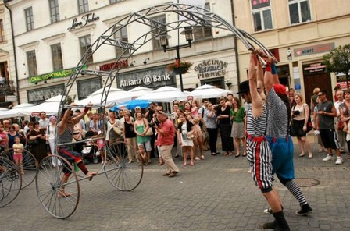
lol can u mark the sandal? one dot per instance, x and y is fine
(213, 154)
(192, 163)
(203, 157)
(302, 155)
(310, 155)
(197, 158)
(237, 155)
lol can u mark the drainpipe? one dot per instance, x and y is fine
(235, 43)
(14, 51)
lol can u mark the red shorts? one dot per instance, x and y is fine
(17, 156)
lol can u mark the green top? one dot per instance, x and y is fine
(141, 139)
(239, 115)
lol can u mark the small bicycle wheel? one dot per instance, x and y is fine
(121, 174)
(30, 166)
(58, 198)
(10, 181)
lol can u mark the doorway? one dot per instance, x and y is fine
(321, 80)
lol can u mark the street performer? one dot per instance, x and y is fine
(65, 136)
(258, 149)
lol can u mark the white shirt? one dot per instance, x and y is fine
(337, 105)
(43, 123)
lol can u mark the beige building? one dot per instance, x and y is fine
(7, 64)
(299, 33)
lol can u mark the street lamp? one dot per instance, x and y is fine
(164, 41)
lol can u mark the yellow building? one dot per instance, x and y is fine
(299, 33)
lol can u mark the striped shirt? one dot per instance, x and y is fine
(277, 125)
(256, 126)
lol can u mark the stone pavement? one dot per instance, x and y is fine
(215, 194)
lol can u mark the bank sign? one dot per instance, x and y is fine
(152, 78)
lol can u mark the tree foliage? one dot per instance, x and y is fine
(338, 60)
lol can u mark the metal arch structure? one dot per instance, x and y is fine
(193, 16)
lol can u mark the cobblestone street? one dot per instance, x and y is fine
(215, 194)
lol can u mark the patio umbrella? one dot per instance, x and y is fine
(140, 91)
(132, 104)
(16, 111)
(209, 91)
(165, 94)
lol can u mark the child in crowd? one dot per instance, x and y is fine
(17, 153)
(142, 155)
(198, 140)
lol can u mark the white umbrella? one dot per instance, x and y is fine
(54, 99)
(116, 96)
(165, 94)
(4, 109)
(209, 91)
(16, 111)
(140, 91)
(50, 108)
(100, 91)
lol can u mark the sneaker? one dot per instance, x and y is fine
(268, 210)
(338, 161)
(305, 210)
(327, 158)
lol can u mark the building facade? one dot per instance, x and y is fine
(299, 33)
(7, 63)
(51, 36)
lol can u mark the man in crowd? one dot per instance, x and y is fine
(339, 125)
(7, 125)
(43, 121)
(325, 123)
(166, 131)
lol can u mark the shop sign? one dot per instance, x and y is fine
(114, 65)
(53, 75)
(314, 49)
(257, 4)
(314, 68)
(88, 18)
(152, 78)
(211, 68)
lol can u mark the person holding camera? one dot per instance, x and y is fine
(299, 125)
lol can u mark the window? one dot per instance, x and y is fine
(299, 11)
(31, 63)
(114, 1)
(54, 10)
(85, 46)
(121, 36)
(29, 18)
(2, 32)
(83, 6)
(261, 12)
(204, 31)
(56, 55)
(158, 27)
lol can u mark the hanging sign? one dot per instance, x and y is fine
(211, 68)
(114, 65)
(88, 18)
(53, 75)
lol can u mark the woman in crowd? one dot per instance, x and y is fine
(237, 131)
(185, 135)
(12, 135)
(223, 118)
(187, 109)
(51, 130)
(129, 137)
(210, 123)
(300, 117)
(4, 139)
(140, 128)
(37, 142)
(194, 109)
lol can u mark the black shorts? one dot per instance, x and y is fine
(329, 138)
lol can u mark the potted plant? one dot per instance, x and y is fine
(179, 67)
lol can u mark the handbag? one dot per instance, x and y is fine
(149, 132)
(190, 137)
(117, 130)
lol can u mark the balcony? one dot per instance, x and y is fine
(6, 88)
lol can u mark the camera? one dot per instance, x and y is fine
(295, 113)
(152, 124)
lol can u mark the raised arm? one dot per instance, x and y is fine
(252, 79)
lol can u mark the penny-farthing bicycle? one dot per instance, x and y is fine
(120, 174)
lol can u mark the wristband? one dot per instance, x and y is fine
(268, 67)
(273, 69)
(86, 110)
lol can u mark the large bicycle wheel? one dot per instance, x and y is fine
(10, 181)
(121, 174)
(30, 166)
(51, 189)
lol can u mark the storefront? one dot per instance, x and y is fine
(153, 78)
(88, 86)
(39, 95)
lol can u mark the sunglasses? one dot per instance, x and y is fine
(320, 95)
